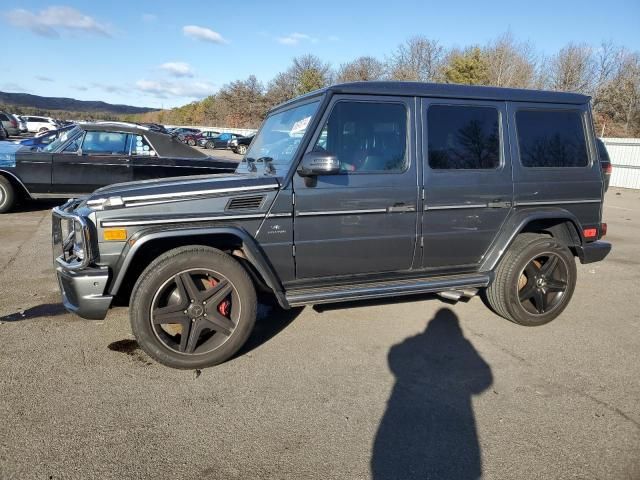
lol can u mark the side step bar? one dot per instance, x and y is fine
(345, 293)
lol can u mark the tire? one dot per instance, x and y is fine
(157, 295)
(242, 149)
(192, 142)
(7, 195)
(208, 145)
(534, 281)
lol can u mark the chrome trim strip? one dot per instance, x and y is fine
(455, 207)
(341, 212)
(556, 202)
(131, 223)
(198, 192)
(278, 215)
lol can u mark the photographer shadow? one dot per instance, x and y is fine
(428, 430)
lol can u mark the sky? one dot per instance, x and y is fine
(166, 54)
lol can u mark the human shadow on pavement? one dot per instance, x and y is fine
(39, 311)
(428, 430)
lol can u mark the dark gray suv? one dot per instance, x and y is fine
(356, 191)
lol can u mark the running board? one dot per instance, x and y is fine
(363, 291)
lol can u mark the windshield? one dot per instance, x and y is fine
(62, 138)
(277, 141)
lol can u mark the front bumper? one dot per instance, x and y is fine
(83, 291)
(82, 285)
(593, 252)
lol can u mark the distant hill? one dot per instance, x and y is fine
(68, 104)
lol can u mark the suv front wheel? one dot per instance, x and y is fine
(193, 307)
(534, 281)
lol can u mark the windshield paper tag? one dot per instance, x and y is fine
(300, 126)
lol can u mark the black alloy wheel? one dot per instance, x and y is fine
(193, 307)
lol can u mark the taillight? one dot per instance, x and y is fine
(603, 229)
(14, 123)
(590, 233)
(607, 168)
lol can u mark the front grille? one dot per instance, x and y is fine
(245, 203)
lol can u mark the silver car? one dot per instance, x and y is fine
(9, 123)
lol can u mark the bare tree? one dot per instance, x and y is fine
(362, 69)
(619, 98)
(573, 69)
(417, 59)
(509, 63)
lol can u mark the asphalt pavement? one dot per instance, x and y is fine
(412, 388)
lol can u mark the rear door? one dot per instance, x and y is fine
(468, 188)
(96, 159)
(363, 220)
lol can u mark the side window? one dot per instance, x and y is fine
(139, 146)
(551, 138)
(3, 117)
(105, 142)
(463, 137)
(73, 146)
(366, 137)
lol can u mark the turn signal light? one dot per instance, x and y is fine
(590, 232)
(603, 229)
(115, 234)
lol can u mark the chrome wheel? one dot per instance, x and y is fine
(542, 283)
(195, 311)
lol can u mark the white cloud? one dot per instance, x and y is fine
(149, 17)
(333, 38)
(177, 69)
(202, 33)
(42, 78)
(50, 21)
(296, 38)
(166, 89)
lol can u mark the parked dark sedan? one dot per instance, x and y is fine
(240, 145)
(90, 156)
(222, 141)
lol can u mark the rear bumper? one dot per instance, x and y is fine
(593, 252)
(83, 291)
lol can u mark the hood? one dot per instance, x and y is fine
(8, 154)
(168, 190)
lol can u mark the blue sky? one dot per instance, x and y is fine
(152, 53)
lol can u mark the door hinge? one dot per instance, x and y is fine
(422, 194)
(293, 250)
(293, 198)
(421, 242)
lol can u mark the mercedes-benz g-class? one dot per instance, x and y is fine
(356, 191)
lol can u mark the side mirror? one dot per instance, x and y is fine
(319, 163)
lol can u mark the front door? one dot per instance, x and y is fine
(363, 220)
(92, 161)
(468, 189)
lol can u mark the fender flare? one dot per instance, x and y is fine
(253, 253)
(15, 177)
(516, 223)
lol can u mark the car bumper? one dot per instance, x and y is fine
(83, 291)
(593, 252)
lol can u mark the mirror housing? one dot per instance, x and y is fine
(319, 163)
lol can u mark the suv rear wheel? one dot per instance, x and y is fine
(534, 282)
(193, 307)
(242, 149)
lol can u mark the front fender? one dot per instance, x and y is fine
(516, 223)
(252, 250)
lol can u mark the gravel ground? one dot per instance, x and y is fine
(416, 388)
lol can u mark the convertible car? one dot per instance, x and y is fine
(92, 155)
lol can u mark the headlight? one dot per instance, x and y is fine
(234, 142)
(78, 242)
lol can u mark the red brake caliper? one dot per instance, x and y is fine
(225, 306)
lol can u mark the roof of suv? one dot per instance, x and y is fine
(450, 90)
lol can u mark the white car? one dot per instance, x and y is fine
(40, 124)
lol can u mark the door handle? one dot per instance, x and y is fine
(401, 207)
(499, 203)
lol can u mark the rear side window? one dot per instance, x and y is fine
(112, 143)
(551, 138)
(366, 137)
(463, 137)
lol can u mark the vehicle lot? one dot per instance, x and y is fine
(376, 390)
